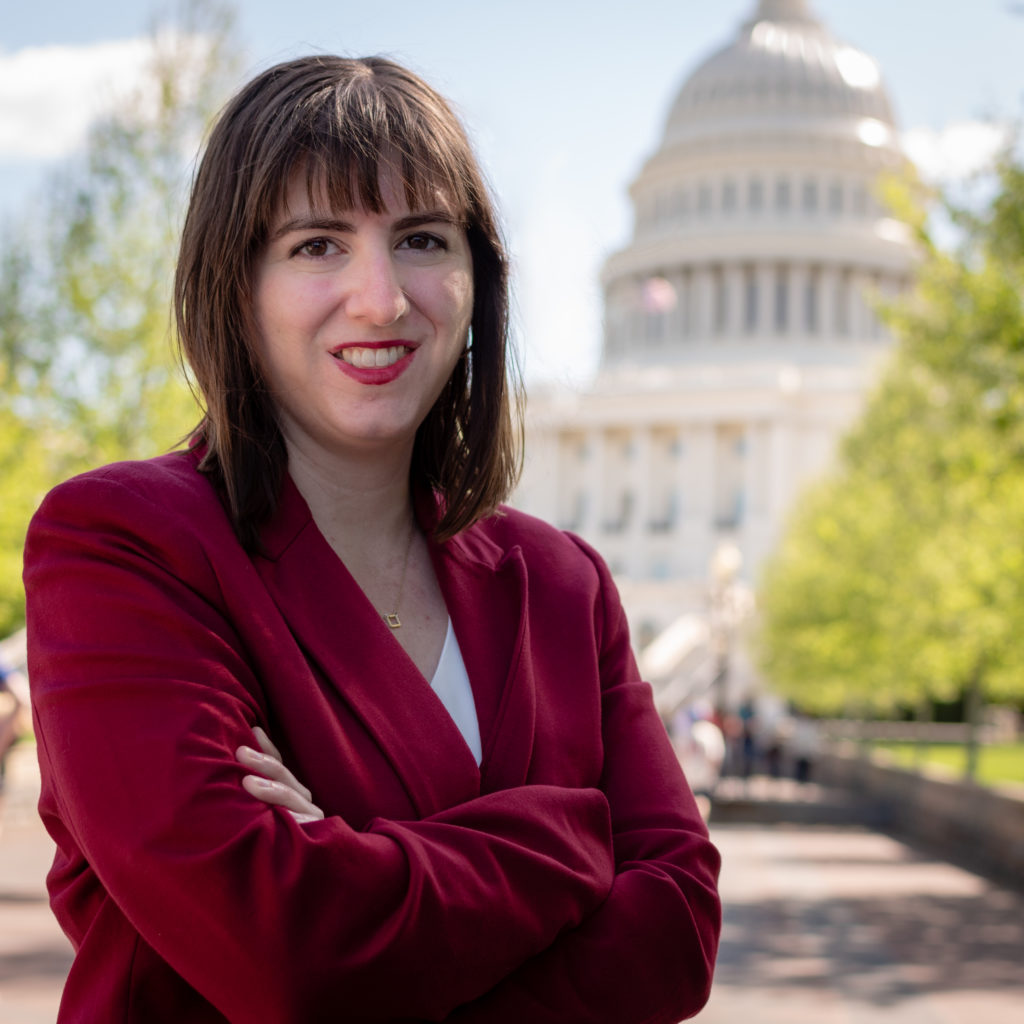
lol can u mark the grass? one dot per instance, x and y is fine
(997, 763)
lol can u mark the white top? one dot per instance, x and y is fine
(451, 684)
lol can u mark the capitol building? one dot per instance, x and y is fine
(740, 333)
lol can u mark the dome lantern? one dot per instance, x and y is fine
(784, 74)
(783, 10)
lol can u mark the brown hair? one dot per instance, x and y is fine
(345, 121)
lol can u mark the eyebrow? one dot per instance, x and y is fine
(316, 222)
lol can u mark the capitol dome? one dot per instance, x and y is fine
(759, 226)
(783, 72)
(741, 324)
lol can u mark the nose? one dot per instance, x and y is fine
(375, 291)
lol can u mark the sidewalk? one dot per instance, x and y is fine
(34, 954)
(827, 924)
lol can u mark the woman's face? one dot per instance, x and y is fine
(361, 317)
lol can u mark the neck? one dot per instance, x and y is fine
(363, 505)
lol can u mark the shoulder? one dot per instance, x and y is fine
(162, 502)
(563, 571)
(171, 483)
(549, 552)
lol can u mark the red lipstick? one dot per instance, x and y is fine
(374, 362)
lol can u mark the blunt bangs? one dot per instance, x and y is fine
(348, 136)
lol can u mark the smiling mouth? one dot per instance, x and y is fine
(371, 358)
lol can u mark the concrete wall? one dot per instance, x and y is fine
(980, 826)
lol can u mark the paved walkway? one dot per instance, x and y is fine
(833, 925)
(824, 924)
(34, 954)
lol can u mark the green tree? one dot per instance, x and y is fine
(901, 578)
(88, 371)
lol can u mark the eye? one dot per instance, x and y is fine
(423, 241)
(315, 248)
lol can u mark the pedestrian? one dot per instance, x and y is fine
(326, 732)
(14, 712)
(804, 743)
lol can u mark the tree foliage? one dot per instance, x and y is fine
(901, 578)
(88, 371)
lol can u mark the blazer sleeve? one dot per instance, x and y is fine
(647, 954)
(142, 691)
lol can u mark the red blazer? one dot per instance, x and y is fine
(569, 878)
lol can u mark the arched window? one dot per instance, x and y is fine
(811, 301)
(750, 300)
(755, 195)
(720, 298)
(782, 195)
(843, 288)
(781, 299)
(835, 198)
(810, 196)
(704, 199)
(680, 204)
(729, 196)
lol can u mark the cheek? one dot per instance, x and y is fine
(286, 306)
(459, 299)
(267, 306)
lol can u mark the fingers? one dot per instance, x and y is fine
(270, 767)
(265, 744)
(278, 795)
(273, 783)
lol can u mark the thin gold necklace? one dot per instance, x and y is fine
(391, 618)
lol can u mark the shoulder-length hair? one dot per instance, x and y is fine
(344, 123)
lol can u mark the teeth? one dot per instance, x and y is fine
(371, 358)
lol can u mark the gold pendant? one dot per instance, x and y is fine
(392, 619)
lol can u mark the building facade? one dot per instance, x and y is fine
(740, 327)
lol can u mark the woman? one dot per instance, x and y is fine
(213, 631)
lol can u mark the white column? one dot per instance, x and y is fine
(594, 483)
(753, 472)
(682, 454)
(781, 440)
(640, 488)
(698, 498)
(702, 472)
(756, 535)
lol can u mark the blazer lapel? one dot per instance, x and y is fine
(485, 588)
(343, 636)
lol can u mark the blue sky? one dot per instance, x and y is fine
(564, 98)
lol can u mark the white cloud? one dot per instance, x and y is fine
(50, 94)
(951, 154)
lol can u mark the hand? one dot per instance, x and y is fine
(274, 784)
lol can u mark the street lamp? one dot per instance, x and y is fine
(723, 615)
